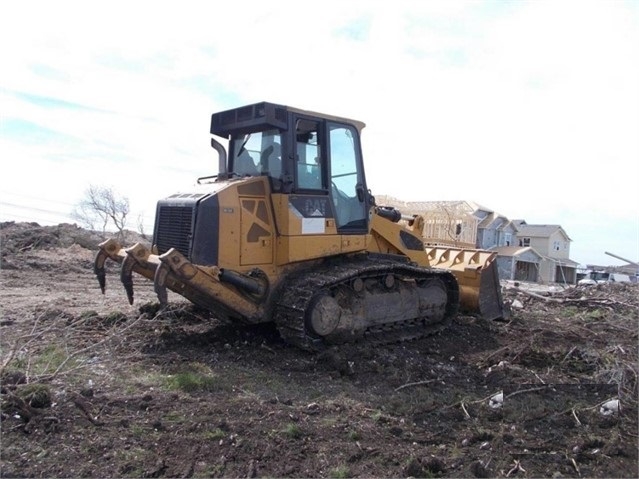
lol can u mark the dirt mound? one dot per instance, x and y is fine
(93, 387)
(20, 242)
(21, 237)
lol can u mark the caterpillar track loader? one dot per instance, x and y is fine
(287, 232)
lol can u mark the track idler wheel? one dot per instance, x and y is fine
(324, 315)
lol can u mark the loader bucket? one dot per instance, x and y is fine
(476, 273)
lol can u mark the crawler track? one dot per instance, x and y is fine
(297, 295)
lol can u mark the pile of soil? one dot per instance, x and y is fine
(93, 387)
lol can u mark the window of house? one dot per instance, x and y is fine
(525, 242)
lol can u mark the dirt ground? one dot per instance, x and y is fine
(93, 387)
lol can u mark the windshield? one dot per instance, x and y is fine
(599, 276)
(257, 153)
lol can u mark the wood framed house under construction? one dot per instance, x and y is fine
(446, 223)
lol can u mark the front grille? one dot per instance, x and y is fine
(174, 228)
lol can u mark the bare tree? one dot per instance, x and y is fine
(141, 229)
(101, 205)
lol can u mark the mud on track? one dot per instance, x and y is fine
(93, 387)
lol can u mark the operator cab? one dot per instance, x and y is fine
(314, 158)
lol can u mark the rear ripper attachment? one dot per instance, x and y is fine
(204, 286)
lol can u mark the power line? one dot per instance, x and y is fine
(29, 197)
(32, 208)
(22, 214)
(30, 219)
(63, 214)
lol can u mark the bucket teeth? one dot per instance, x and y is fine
(159, 282)
(126, 275)
(108, 249)
(98, 269)
(136, 255)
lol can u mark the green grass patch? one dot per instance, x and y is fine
(569, 311)
(50, 359)
(190, 382)
(339, 472)
(292, 431)
(114, 318)
(196, 377)
(88, 314)
(595, 314)
(378, 417)
(214, 435)
(36, 395)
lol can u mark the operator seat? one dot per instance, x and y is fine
(271, 159)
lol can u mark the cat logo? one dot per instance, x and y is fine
(314, 207)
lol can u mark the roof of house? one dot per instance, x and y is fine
(508, 223)
(515, 251)
(492, 219)
(479, 207)
(540, 231)
(487, 220)
(453, 206)
(457, 207)
(563, 262)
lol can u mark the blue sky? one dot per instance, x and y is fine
(528, 108)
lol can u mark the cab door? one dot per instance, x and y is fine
(329, 174)
(348, 192)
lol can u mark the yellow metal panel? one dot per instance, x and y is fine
(354, 243)
(257, 232)
(300, 248)
(229, 248)
(280, 210)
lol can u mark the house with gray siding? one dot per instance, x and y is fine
(518, 264)
(553, 243)
(494, 230)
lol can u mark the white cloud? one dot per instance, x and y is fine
(524, 107)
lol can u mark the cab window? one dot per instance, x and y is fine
(346, 178)
(258, 153)
(308, 155)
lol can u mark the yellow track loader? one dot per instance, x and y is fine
(287, 232)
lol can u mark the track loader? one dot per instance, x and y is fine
(287, 232)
